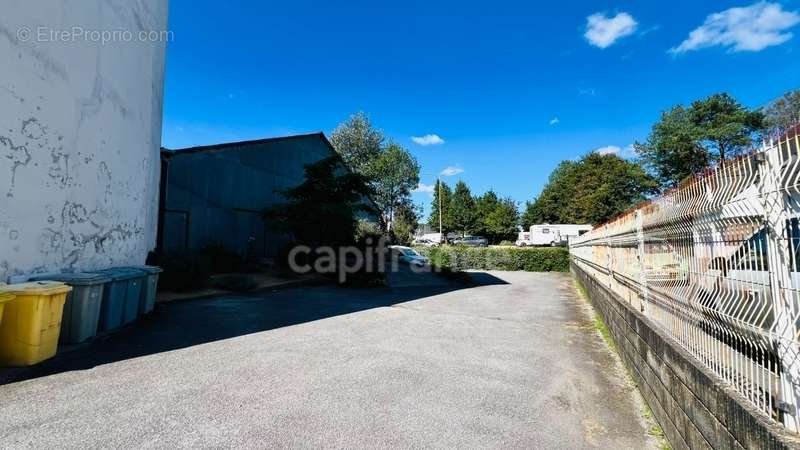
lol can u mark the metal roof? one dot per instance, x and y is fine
(165, 152)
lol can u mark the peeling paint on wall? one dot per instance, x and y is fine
(19, 157)
(80, 132)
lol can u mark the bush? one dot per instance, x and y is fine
(367, 228)
(506, 244)
(459, 258)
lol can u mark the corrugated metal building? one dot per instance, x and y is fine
(218, 193)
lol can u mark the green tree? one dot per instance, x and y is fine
(687, 140)
(393, 174)
(554, 204)
(592, 190)
(496, 218)
(485, 205)
(441, 188)
(358, 142)
(324, 209)
(501, 222)
(391, 170)
(406, 221)
(783, 112)
(530, 216)
(673, 150)
(462, 208)
(725, 126)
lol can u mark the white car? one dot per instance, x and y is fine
(422, 242)
(409, 255)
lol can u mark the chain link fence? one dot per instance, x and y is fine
(714, 263)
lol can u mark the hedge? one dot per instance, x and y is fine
(458, 258)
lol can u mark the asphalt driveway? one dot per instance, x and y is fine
(511, 363)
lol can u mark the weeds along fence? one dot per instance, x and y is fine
(715, 263)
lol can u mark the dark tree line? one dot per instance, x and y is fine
(592, 190)
(685, 140)
(708, 132)
(486, 215)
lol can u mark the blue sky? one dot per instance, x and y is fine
(509, 88)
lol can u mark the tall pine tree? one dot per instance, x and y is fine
(462, 208)
(447, 217)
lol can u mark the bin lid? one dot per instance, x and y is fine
(75, 279)
(121, 273)
(148, 269)
(35, 288)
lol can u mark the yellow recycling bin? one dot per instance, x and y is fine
(32, 322)
(4, 298)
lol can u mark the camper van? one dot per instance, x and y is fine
(550, 235)
(570, 231)
(539, 235)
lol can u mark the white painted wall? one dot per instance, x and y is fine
(80, 131)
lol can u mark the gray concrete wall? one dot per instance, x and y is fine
(693, 406)
(80, 132)
(218, 194)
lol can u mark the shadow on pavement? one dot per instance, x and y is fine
(184, 324)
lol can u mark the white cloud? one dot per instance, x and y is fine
(424, 188)
(608, 150)
(428, 139)
(451, 170)
(744, 29)
(627, 152)
(603, 31)
(589, 92)
(554, 121)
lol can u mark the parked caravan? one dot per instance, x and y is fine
(550, 235)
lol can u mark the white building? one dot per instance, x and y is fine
(80, 132)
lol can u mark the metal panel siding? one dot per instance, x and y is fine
(225, 190)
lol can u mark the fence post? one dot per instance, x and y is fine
(643, 307)
(609, 265)
(779, 264)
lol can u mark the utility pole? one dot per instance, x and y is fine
(439, 194)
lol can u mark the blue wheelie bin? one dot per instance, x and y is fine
(148, 299)
(121, 299)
